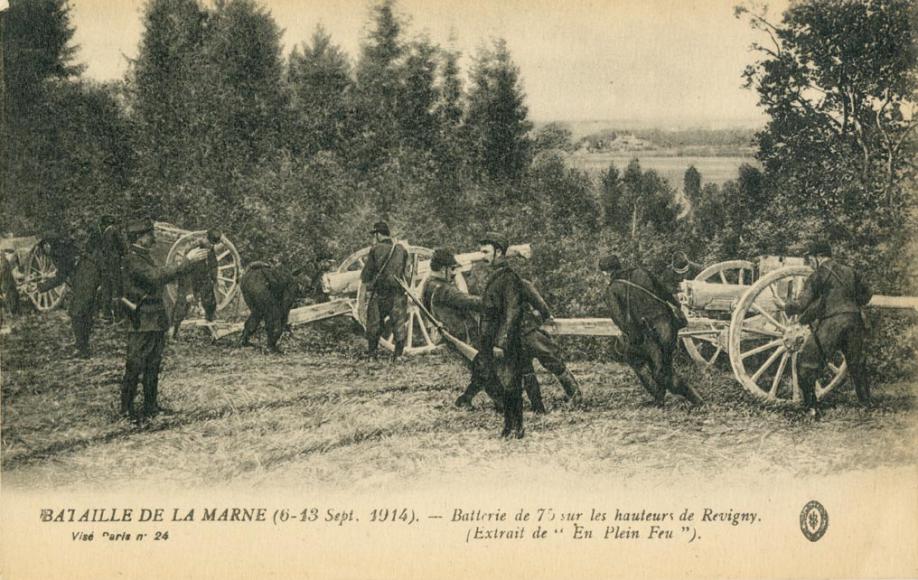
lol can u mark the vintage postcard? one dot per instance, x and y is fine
(406, 289)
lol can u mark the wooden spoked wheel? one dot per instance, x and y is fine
(229, 266)
(39, 267)
(765, 342)
(706, 343)
(422, 335)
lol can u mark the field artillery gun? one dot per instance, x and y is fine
(37, 265)
(736, 309)
(348, 296)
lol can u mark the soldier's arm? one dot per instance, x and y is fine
(490, 323)
(513, 311)
(158, 275)
(452, 297)
(808, 295)
(535, 299)
(863, 293)
(369, 267)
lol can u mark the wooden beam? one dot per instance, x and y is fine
(894, 302)
(298, 316)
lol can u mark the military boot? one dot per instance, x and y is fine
(571, 387)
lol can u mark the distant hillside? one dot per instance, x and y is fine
(608, 136)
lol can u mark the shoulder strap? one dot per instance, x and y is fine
(385, 263)
(644, 290)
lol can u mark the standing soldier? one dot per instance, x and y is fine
(85, 282)
(386, 263)
(198, 284)
(502, 306)
(650, 318)
(144, 282)
(830, 304)
(114, 247)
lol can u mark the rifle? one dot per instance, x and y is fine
(467, 351)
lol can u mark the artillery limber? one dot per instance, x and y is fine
(36, 265)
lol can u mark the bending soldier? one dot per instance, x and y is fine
(649, 317)
(144, 282)
(269, 292)
(830, 304)
(198, 284)
(386, 262)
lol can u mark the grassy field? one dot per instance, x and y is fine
(321, 416)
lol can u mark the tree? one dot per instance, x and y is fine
(497, 119)
(166, 86)
(244, 93)
(552, 136)
(378, 89)
(611, 193)
(320, 83)
(837, 80)
(691, 186)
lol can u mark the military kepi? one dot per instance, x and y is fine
(495, 239)
(142, 226)
(380, 228)
(442, 258)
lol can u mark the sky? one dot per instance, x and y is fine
(655, 62)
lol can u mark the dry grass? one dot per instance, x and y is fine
(322, 416)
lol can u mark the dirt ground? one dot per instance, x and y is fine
(320, 415)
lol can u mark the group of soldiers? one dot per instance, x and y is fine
(118, 276)
(510, 313)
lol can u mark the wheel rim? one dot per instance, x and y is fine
(39, 268)
(765, 342)
(422, 336)
(228, 266)
(705, 345)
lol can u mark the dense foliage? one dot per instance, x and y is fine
(295, 156)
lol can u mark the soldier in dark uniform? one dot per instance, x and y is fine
(85, 282)
(198, 284)
(386, 262)
(649, 318)
(269, 292)
(503, 304)
(541, 346)
(63, 252)
(114, 247)
(8, 288)
(144, 282)
(830, 304)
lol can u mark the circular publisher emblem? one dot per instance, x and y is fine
(814, 519)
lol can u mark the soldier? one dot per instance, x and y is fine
(269, 292)
(114, 247)
(63, 252)
(386, 262)
(198, 284)
(830, 304)
(144, 282)
(502, 307)
(539, 345)
(649, 317)
(9, 263)
(85, 282)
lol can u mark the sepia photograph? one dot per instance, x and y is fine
(442, 289)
